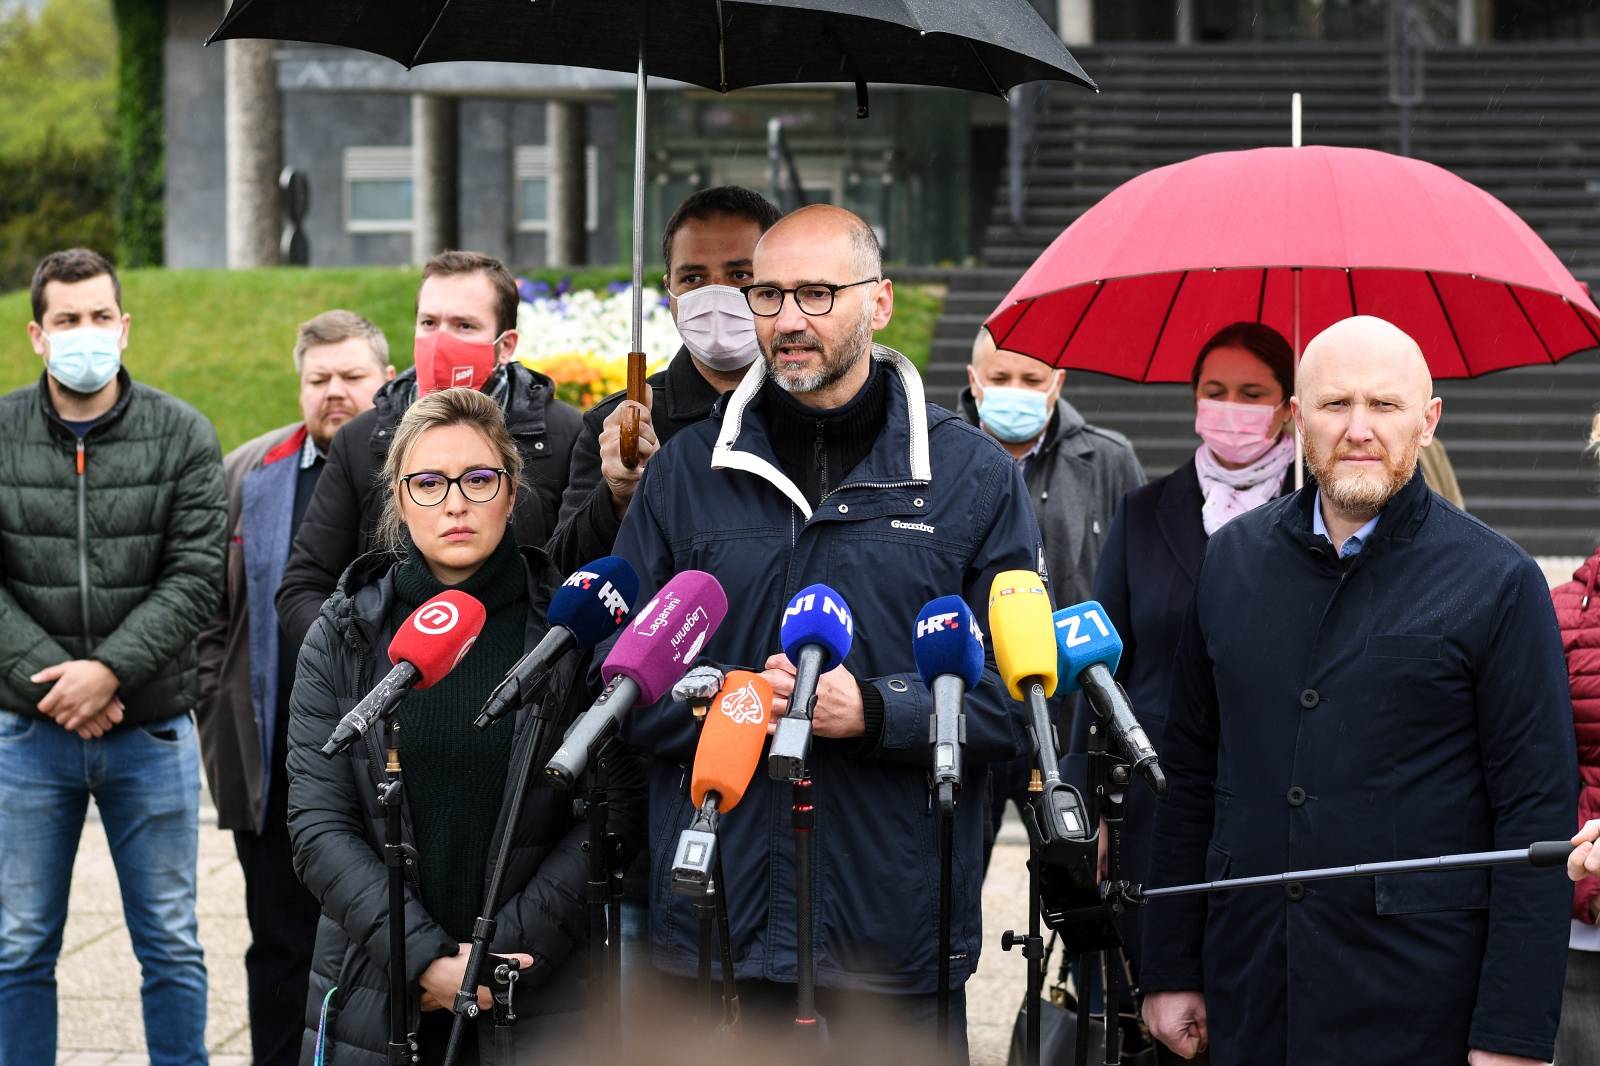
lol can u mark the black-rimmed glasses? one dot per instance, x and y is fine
(428, 488)
(813, 299)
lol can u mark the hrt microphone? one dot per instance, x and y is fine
(424, 649)
(816, 635)
(730, 747)
(949, 652)
(588, 607)
(1019, 625)
(653, 652)
(1089, 651)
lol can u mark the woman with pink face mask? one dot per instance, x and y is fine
(1242, 380)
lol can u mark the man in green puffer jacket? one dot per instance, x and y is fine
(112, 537)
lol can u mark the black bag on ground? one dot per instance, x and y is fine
(1058, 1025)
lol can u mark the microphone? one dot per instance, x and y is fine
(724, 763)
(949, 651)
(816, 635)
(1019, 625)
(653, 652)
(588, 607)
(699, 687)
(1089, 651)
(424, 649)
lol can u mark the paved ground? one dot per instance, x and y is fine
(99, 978)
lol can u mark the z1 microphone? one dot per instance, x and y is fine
(816, 634)
(724, 763)
(949, 651)
(424, 649)
(1019, 625)
(652, 653)
(588, 607)
(1089, 652)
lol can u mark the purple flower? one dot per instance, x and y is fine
(616, 288)
(526, 290)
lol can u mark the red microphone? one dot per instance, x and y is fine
(424, 649)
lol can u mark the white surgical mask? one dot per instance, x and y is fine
(717, 327)
(85, 359)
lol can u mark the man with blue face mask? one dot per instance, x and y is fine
(112, 540)
(1076, 475)
(707, 247)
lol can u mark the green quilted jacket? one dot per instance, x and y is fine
(113, 552)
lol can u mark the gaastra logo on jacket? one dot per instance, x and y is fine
(920, 527)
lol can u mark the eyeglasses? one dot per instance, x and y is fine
(814, 299)
(428, 488)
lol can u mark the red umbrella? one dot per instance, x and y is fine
(1296, 238)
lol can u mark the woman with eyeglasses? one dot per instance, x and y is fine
(452, 476)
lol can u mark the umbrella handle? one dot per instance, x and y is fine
(630, 416)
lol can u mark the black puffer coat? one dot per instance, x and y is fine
(123, 561)
(336, 827)
(344, 511)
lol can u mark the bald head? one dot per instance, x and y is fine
(1364, 403)
(831, 226)
(1365, 349)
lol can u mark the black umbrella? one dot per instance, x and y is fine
(984, 46)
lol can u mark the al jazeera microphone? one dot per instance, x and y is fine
(589, 606)
(1089, 650)
(730, 749)
(816, 633)
(949, 651)
(425, 648)
(653, 652)
(1025, 654)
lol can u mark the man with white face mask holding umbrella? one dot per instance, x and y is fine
(707, 246)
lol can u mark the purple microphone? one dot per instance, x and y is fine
(666, 636)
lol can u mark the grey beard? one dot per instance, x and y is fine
(854, 346)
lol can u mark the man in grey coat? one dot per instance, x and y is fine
(1075, 474)
(247, 669)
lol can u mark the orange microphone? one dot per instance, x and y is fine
(731, 740)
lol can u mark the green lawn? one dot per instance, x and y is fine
(222, 339)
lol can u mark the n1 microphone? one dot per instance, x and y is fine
(652, 653)
(949, 651)
(587, 608)
(816, 633)
(730, 747)
(424, 649)
(1089, 651)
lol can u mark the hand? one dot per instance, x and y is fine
(1490, 1058)
(1585, 859)
(621, 481)
(103, 722)
(79, 691)
(442, 979)
(1178, 1020)
(839, 712)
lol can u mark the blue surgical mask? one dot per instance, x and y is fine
(85, 359)
(1013, 415)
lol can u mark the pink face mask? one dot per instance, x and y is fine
(1235, 432)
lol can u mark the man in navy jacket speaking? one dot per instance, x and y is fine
(826, 464)
(1367, 673)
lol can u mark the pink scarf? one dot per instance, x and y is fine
(1230, 493)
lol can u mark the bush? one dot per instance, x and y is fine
(55, 199)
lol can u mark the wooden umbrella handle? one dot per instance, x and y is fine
(630, 416)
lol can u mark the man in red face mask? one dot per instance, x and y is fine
(466, 334)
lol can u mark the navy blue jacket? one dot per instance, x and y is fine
(1407, 702)
(935, 508)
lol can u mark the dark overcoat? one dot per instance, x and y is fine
(1408, 701)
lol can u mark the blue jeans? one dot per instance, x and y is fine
(146, 782)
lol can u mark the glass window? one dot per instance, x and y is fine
(380, 200)
(535, 201)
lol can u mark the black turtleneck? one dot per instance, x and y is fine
(818, 448)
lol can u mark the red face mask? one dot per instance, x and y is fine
(445, 361)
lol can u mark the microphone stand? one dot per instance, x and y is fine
(397, 854)
(788, 754)
(483, 928)
(947, 821)
(605, 942)
(1109, 776)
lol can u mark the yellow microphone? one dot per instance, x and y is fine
(1023, 632)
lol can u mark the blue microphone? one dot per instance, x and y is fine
(588, 607)
(1088, 651)
(816, 633)
(949, 651)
